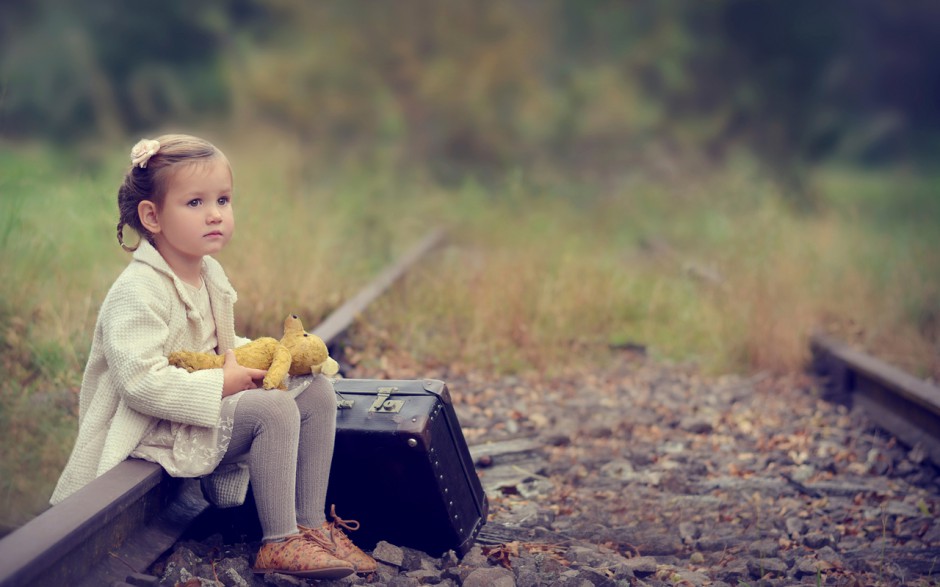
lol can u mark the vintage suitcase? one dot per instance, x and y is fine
(401, 467)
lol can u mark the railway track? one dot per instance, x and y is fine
(894, 400)
(117, 525)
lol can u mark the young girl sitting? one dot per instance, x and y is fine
(178, 196)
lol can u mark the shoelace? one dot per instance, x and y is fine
(351, 525)
(314, 535)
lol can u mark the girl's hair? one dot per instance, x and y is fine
(150, 182)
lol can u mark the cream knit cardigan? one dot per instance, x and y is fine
(128, 384)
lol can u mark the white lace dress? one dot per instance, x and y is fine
(185, 450)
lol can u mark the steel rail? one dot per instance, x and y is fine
(121, 522)
(893, 400)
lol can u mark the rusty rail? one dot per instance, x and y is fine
(121, 522)
(894, 400)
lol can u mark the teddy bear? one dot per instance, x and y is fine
(297, 353)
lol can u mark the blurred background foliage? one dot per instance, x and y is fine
(489, 83)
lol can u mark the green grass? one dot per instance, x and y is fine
(542, 272)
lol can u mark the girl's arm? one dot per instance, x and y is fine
(134, 334)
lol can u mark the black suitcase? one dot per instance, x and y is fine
(401, 467)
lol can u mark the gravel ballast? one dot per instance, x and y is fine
(648, 473)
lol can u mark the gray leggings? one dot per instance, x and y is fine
(289, 443)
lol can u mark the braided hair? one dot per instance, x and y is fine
(149, 175)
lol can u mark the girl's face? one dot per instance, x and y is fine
(196, 217)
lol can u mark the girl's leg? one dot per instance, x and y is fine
(317, 406)
(267, 428)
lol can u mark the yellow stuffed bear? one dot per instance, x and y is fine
(298, 353)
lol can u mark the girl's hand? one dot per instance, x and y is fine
(238, 378)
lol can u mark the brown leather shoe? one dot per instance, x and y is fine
(345, 549)
(301, 557)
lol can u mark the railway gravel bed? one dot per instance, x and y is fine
(648, 473)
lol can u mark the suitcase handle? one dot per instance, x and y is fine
(383, 404)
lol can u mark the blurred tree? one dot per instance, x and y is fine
(70, 70)
(489, 83)
(857, 78)
(448, 81)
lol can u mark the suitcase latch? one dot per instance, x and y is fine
(383, 404)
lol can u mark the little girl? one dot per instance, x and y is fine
(216, 424)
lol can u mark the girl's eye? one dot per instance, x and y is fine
(224, 200)
(194, 203)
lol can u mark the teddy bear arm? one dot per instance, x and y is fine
(257, 354)
(193, 361)
(278, 369)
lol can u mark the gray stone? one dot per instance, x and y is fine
(571, 580)
(622, 572)
(810, 566)
(695, 425)
(448, 559)
(795, 526)
(425, 576)
(402, 581)
(584, 555)
(529, 515)
(764, 548)
(803, 473)
(655, 543)
(535, 486)
(385, 571)
(760, 567)
(234, 572)
(457, 573)
(279, 580)
(734, 572)
(717, 543)
(474, 557)
(817, 540)
(415, 560)
(597, 577)
(900, 508)
(527, 578)
(688, 532)
(687, 577)
(641, 565)
(620, 470)
(490, 577)
(932, 535)
(179, 565)
(389, 554)
(550, 568)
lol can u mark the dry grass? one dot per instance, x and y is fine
(730, 277)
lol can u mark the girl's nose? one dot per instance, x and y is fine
(215, 215)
